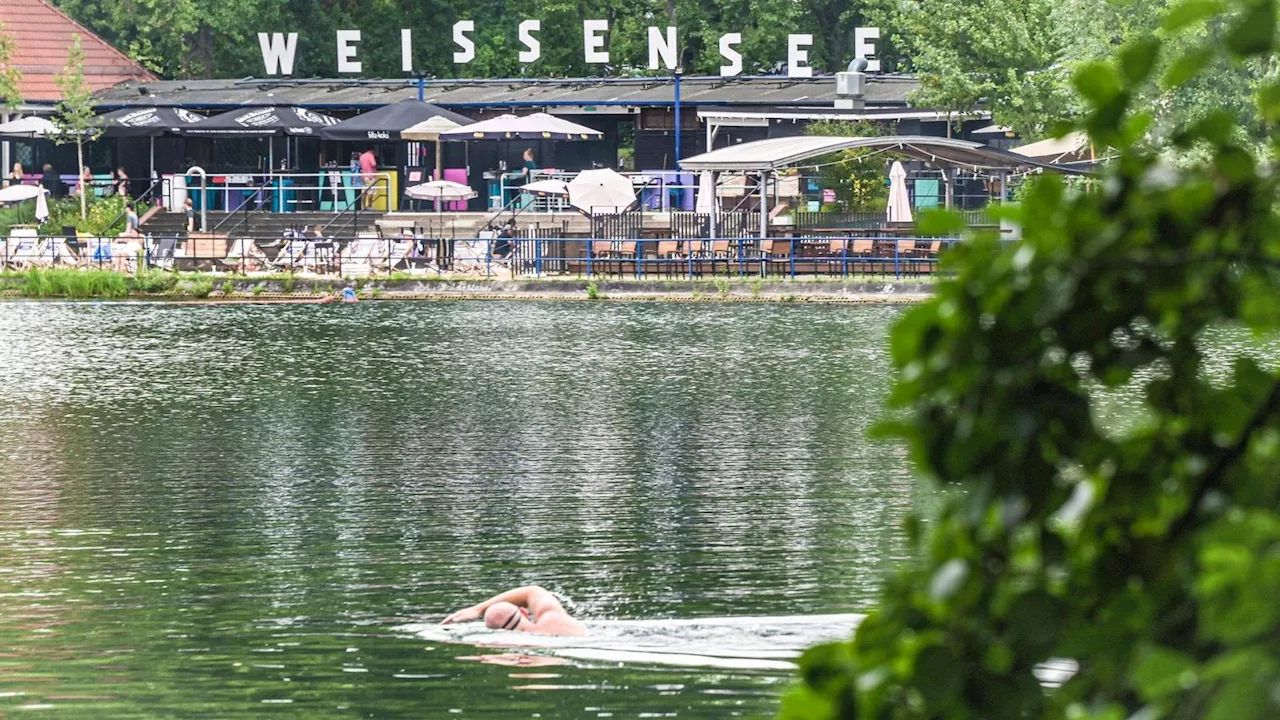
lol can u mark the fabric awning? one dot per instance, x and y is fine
(147, 122)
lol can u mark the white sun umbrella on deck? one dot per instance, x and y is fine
(444, 190)
(603, 191)
(899, 200)
(546, 188)
(28, 128)
(20, 193)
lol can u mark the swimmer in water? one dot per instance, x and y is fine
(528, 609)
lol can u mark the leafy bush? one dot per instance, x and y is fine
(154, 281)
(1153, 557)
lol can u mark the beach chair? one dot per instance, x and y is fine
(163, 252)
(23, 251)
(292, 256)
(243, 256)
(356, 259)
(97, 253)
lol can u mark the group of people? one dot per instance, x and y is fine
(50, 180)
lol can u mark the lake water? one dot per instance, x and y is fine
(253, 510)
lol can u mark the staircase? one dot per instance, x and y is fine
(263, 224)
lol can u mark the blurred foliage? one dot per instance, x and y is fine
(859, 177)
(1151, 557)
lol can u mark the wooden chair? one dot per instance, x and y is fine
(775, 252)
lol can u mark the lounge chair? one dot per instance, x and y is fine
(244, 256)
(23, 252)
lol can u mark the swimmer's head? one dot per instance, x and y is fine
(503, 616)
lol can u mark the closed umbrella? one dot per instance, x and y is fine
(899, 201)
(706, 193)
(602, 191)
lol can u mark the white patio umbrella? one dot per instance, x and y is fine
(899, 200)
(28, 128)
(441, 191)
(429, 131)
(706, 202)
(538, 126)
(546, 188)
(19, 193)
(444, 190)
(602, 191)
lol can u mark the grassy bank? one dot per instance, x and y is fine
(156, 284)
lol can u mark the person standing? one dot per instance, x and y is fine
(368, 174)
(190, 209)
(528, 165)
(120, 183)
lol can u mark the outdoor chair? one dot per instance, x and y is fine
(292, 256)
(244, 256)
(164, 253)
(356, 259)
(862, 252)
(23, 252)
(773, 256)
(669, 255)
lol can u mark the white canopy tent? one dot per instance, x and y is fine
(763, 157)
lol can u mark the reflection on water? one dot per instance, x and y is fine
(229, 511)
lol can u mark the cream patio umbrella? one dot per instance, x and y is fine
(603, 191)
(899, 200)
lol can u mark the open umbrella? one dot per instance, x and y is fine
(602, 192)
(263, 121)
(27, 128)
(899, 201)
(19, 193)
(538, 126)
(443, 190)
(546, 188)
(390, 122)
(150, 122)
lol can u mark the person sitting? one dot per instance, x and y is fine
(530, 609)
(502, 246)
(50, 181)
(132, 225)
(85, 185)
(120, 183)
(14, 177)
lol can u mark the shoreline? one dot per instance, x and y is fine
(228, 290)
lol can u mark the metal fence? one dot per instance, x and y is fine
(497, 257)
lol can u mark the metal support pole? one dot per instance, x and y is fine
(764, 206)
(679, 73)
(5, 164)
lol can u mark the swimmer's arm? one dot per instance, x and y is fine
(537, 599)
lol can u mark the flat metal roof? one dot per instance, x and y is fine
(759, 91)
(779, 153)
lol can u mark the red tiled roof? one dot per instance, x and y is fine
(42, 36)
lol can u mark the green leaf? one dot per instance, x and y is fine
(1186, 67)
(1097, 82)
(1191, 12)
(1159, 672)
(939, 676)
(1138, 58)
(1269, 102)
(1254, 32)
(940, 223)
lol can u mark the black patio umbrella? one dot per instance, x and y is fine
(150, 122)
(387, 122)
(147, 122)
(263, 122)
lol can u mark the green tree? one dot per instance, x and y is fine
(10, 94)
(857, 176)
(74, 114)
(1150, 555)
(1004, 53)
